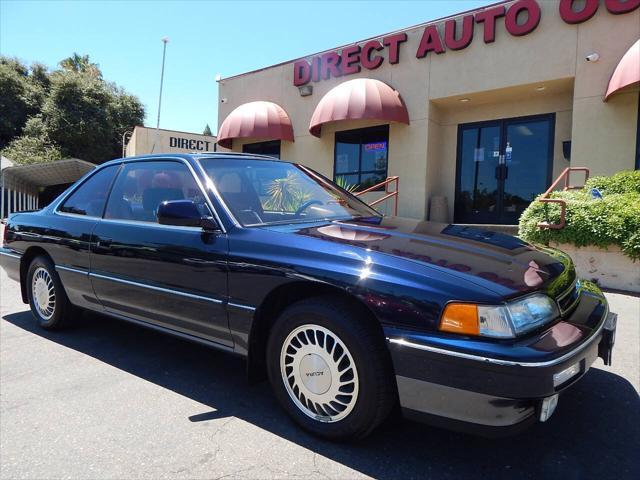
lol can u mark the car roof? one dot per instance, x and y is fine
(192, 156)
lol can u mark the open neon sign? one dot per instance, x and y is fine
(375, 147)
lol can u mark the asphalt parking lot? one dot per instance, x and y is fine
(106, 399)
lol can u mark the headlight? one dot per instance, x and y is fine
(499, 321)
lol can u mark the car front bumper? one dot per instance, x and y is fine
(487, 387)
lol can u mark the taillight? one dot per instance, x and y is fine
(5, 233)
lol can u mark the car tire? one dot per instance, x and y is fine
(47, 298)
(344, 386)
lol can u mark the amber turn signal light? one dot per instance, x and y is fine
(460, 318)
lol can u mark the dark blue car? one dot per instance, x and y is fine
(348, 313)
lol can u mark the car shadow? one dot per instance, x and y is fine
(595, 432)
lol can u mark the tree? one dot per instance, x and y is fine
(81, 64)
(26, 149)
(207, 131)
(125, 112)
(87, 116)
(71, 112)
(75, 115)
(20, 97)
(40, 76)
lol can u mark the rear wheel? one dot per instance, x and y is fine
(47, 299)
(330, 369)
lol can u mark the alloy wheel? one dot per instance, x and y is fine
(319, 373)
(43, 293)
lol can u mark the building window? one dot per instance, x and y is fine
(361, 157)
(271, 148)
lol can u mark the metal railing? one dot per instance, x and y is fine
(564, 176)
(388, 193)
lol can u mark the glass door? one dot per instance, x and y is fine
(478, 191)
(502, 166)
(528, 160)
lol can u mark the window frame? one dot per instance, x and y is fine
(121, 165)
(360, 132)
(155, 223)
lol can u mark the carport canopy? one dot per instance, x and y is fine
(45, 174)
(20, 184)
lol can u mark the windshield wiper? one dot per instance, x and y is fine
(312, 220)
(288, 222)
(358, 217)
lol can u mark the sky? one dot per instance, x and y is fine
(206, 38)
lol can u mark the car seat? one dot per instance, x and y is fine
(240, 197)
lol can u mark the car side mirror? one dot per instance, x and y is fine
(184, 213)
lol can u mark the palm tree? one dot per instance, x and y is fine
(342, 182)
(285, 194)
(81, 64)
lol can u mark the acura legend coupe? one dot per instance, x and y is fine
(347, 312)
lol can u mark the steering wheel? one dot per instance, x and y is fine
(306, 205)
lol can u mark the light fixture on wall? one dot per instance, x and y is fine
(592, 57)
(305, 90)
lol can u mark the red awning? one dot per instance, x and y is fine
(264, 120)
(627, 72)
(362, 98)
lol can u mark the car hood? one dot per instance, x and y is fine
(500, 262)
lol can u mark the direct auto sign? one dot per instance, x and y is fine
(189, 144)
(520, 18)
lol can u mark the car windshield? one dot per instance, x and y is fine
(270, 192)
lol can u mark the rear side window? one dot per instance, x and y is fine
(142, 186)
(89, 199)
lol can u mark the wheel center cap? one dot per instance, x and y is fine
(315, 373)
(42, 293)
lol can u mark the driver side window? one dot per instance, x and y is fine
(142, 186)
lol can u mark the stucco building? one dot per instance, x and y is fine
(145, 140)
(484, 108)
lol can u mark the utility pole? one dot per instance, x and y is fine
(165, 40)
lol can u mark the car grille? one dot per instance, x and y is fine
(569, 298)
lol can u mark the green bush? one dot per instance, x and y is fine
(614, 220)
(621, 182)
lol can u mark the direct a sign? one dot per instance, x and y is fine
(520, 18)
(189, 144)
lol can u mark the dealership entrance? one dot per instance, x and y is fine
(502, 166)
(542, 88)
